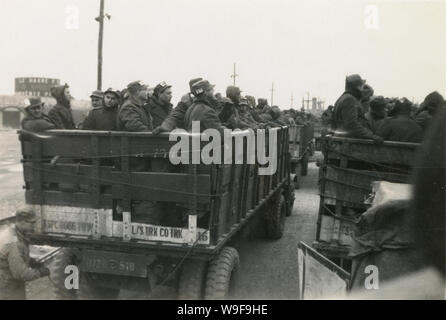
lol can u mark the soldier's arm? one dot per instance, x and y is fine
(19, 264)
(38, 125)
(176, 118)
(131, 121)
(352, 124)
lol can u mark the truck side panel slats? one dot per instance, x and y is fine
(110, 170)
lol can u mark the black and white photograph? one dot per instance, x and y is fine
(244, 151)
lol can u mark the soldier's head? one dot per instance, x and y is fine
(163, 92)
(25, 219)
(403, 107)
(34, 106)
(112, 98)
(233, 93)
(244, 104)
(251, 101)
(354, 82)
(138, 90)
(433, 102)
(96, 98)
(366, 92)
(192, 82)
(61, 93)
(378, 107)
(204, 89)
(275, 112)
(262, 102)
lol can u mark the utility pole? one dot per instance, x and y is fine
(272, 94)
(234, 75)
(100, 19)
(292, 100)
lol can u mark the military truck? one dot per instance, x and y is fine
(349, 168)
(128, 218)
(301, 148)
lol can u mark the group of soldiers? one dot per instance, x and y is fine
(358, 113)
(139, 108)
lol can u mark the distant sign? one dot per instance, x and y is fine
(35, 87)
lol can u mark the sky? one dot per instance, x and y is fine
(304, 47)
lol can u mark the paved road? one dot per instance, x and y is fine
(269, 268)
(11, 173)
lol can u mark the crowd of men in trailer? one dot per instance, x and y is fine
(358, 113)
(139, 108)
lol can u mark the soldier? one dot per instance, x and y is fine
(366, 96)
(279, 117)
(202, 109)
(176, 118)
(97, 98)
(433, 103)
(251, 101)
(134, 115)
(159, 103)
(327, 121)
(16, 267)
(348, 114)
(246, 114)
(61, 114)
(377, 113)
(261, 104)
(234, 121)
(400, 127)
(35, 120)
(103, 118)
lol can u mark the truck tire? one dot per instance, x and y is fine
(222, 274)
(275, 219)
(304, 167)
(88, 289)
(192, 280)
(63, 259)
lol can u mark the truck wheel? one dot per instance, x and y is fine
(222, 274)
(88, 289)
(304, 168)
(275, 219)
(63, 259)
(192, 279)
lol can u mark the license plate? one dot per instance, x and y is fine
(114, 263)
